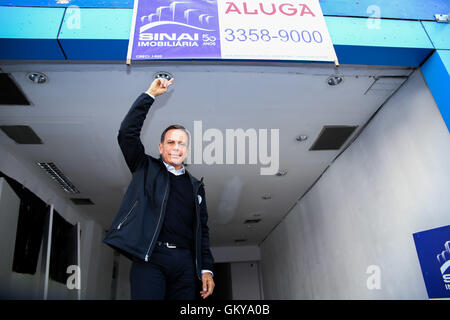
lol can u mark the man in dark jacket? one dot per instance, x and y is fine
(162, 221)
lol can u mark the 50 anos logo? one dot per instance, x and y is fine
(208, 40)
(444, 260)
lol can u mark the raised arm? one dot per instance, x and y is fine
(130, 128)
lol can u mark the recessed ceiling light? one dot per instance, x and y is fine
(162, 74)
(334, 80)
(281, 173)
(301, 138)
(37, 77)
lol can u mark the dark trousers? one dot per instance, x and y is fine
(168, 275)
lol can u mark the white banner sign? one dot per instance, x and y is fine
(234, 29)
(280, 30)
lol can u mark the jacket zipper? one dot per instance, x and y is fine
(160, 214)
(120, 224)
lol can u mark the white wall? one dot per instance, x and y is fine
(123, 279)
(95, 256)
(245, 270)
(245, 280)
(96, 277)
(235, 253)
(391, 182)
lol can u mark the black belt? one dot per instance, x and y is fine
(169, 245)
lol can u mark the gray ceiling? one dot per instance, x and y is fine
(77, 114)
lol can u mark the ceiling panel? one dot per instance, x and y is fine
(77, 114)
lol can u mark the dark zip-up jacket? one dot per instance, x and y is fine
(138, 222)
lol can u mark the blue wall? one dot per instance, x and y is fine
(102, 34)
(436, 71)
(399, 9)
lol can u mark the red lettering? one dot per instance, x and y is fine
(287, 9)
(305, 7)
(261, 6)
(292, 10)
(245, 9)
(232, 8)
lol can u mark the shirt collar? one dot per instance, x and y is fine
(172, 169)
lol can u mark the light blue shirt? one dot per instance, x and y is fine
(172, 169)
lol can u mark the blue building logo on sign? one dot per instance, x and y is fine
(444, 260)
(433, 250)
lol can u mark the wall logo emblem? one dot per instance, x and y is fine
(444, 262)
(433, 251)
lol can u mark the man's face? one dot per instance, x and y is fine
(175, 147)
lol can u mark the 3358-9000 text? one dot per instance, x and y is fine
(302, 36)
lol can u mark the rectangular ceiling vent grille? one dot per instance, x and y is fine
(82, 201)
(251, 221)
(333, 137)
(21, 134)
(58, 176)
(10, 92)
(385, 85)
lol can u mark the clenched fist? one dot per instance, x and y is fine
(159, 86)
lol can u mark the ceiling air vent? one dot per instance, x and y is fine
(82, 201)
(22, 134)
(10, 92)
(385, 85)
(58, 176)
(252, 221)
(333, 137)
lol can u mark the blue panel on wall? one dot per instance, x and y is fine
(439, 33)
(95, 49)
(30, 49)
(389, 43)
(385, 56)
(102, 34)
(95, 34)
(84, 23)
(31, 23)
(68, 3)
(400, 9)
(383, 33)
(436, 71)
(30, 33)
(433, 250)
